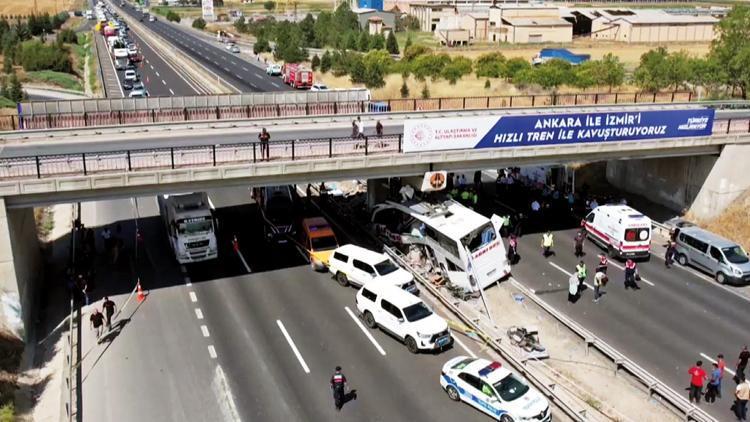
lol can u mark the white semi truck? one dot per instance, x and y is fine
(190, 226)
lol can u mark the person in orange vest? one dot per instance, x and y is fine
(602, 266)
(631, 273)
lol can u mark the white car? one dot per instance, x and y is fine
(233, 48)
(130, 75)
(132, 50)
(404, 316)
(352, 264)
(273, 69)
(138, 93)
(493, 390)
(319, 87)
(152, 18)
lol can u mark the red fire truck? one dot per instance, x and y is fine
(297, 76)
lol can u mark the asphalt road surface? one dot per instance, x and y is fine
(208, 343)
(675, 319)
(244, 76)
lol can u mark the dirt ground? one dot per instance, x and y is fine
(733, 223)
(26, 7)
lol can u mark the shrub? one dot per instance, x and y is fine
(36, 56)
(67, 36)
(199, 23)
(173, 17)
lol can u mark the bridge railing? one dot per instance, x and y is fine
(133, 160)
(89, 113)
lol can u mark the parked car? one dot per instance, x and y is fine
(621, 230)
(494, 390)
(127, 85)
(120, 64)
(139, 86)
(235, 49)
(319, 240)
(273, 69)
(404, 316)
(723, 259)
(319, 87)
(139, 93)
(352, 264)
(132, 50)
(130, 75)
(152, 18)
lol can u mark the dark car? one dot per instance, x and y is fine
(138, 86)
(130, 65)
(127, 85)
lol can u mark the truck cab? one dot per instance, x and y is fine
(190, 225)
(276, 205)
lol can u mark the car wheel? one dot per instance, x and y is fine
(721, 278)
(506, 418)
(682, 259)
(411, 345)
(452, 393)
(341, 278)
(369, 320)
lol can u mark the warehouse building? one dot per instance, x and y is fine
(524, 23)
(650, 26)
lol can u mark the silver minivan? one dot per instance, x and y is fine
(720, 257)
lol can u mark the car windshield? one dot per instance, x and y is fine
(386, 267)
(416, 312)
(511, 388)
(194, 226)
(279, 210)
(479, 237)
(735, 255)
(324, 243)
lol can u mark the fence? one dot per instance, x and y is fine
(91, 113)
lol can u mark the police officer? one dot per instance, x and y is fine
(338, 386)
(630, 274)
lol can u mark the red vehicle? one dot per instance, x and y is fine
(135, 58)
(297, 76)
(108, 31)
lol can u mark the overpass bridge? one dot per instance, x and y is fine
(136, 160)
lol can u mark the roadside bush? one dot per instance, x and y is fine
(173, 17)
(199, 23)
(37, 56)
(67, 36)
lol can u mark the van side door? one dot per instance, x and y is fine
(718, 263)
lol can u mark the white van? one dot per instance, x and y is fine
(352, 264)
(404, 316)
(623, 231)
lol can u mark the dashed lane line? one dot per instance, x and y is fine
(198, 313)
(204, 330)
(275, 84)
(162, 81)
(170, 91)
(157, 74)
(193, 297)
(212, 351)
(293, 346)
(364, 330)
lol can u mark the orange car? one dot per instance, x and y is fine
(319, 241)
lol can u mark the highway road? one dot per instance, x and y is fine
(244, 76)
(207, 343)
(677, 318)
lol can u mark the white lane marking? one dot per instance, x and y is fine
(151, 66)
(293, 346)
(224, 396)
(712, 360)
(707, 279)
(147, 62)
(204, 330)
(212, 351)
(463, 346)
(157, 74)
(162, 81)
(233, 62)
(569, 273)
(225, 69)
(193, 297)
(188, 282)
(616, 265)
(258, 76)
(238, 76)
(364, 330)
(198, 313)
(275, 84)
(245, 69)
(170, 91)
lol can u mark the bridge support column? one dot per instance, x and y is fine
(20, 268)
(377, 192)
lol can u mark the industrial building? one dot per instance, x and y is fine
(524, 23)
(649, 26)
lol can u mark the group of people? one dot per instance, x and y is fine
(713, 381)
(99, 320)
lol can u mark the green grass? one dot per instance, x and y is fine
(63, 80)
(5, 103)
(7, 412)
(426, 39)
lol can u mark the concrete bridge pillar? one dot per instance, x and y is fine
(377, 192)
(20, 268)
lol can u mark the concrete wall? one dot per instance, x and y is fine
(673, 182)
(726, 181)
(20, 268)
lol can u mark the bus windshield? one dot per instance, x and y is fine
(194, 225)
(480, 237)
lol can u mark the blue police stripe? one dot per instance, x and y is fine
(484, 404)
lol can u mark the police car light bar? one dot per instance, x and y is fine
(489, 368)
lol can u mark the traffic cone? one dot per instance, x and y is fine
(235, 244)
(141, 296)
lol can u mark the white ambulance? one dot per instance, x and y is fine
(623, 231)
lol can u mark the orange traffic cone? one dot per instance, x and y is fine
(141, 296)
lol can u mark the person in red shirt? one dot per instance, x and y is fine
(697, 376)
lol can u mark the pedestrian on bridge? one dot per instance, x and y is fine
(548, 241)
(264, 137)
(697, 376)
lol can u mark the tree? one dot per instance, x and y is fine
(325, 62)
(376, 64)
(315, 62)
(404, 90)
(8, 64)
(553, 73)
(173, 17)
(377, 42)
(363, 41)
(728, 48)
(585, 74)
(199, 23)
(356, 68)
(307, 26)
(410, 23)
(429, 65)
(261, 45)
(487, 84)
(67, 36)
(513, 67)
(425, 92)
(707, 73)
(269, 5)
(15, 90)
(323, 30)
(678, 69)
(4, 87)
(652, 74)
(490, 65)
(414, 51)
(456, 69)
(350, 41)
(408, 42)
(391, 44)
(611, 71)
(239, 24)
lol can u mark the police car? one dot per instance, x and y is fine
(494, 390)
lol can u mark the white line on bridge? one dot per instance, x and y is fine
(293, 346)
(212, 351)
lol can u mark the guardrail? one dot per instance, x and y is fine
(528, 371)
(231, 110)
(654, 385)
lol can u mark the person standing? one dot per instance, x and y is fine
(600, 280)
(548, 241)
(264, 137)
(338, 386)
(631, 271)
(580, 237)
(109, 310)
(697, 376)
(602, 266)
(741, 396)
(379, 128)
(722, 365)
(713, 384)
(512, 249)
(97, 322)
(742, 362)
(581, 273)
(360, 128)
(669, 254)
(573, 288)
